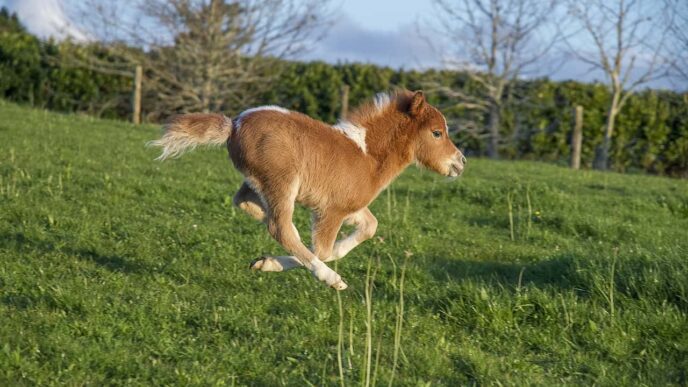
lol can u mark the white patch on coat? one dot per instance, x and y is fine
(356, 133)
(242, 115)
(324, 273)
(382, 100)
(344, 246)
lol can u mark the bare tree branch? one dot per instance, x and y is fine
(629, 40)
(201, 55)
(495, 42)
(676, 17)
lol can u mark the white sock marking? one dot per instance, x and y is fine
(343, 247)
(324, 273)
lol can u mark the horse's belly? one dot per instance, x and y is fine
(347, 199)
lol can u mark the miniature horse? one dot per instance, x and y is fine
(336, 171)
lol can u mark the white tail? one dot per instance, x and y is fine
(185, 132)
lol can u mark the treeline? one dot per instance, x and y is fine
(34, 72)
(651, 133)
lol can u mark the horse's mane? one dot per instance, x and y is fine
(369, 117)
(382, 103)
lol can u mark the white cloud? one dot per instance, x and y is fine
(348, 41)
(44, 18)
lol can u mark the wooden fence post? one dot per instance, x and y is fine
(345, 102)
(577, 138)
(136, 104)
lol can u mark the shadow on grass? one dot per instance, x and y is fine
(635, 277)
(115, 263)
(560, 272)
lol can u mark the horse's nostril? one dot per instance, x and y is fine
(463, 160)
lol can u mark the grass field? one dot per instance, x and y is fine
(115, 269)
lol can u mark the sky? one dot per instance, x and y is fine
(383, 32)
(44, 18)
(379, 31)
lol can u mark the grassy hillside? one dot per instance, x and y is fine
(115, 269)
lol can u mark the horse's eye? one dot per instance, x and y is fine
(436, 133)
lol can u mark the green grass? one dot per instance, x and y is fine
(115, 269)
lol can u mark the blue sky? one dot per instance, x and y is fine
(385, 15)
(377, 31)
(383, 32)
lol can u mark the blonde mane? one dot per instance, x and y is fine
(357, 123)
(379, 105)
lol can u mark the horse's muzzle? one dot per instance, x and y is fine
(457, 165)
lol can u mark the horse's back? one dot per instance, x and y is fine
(274, 146)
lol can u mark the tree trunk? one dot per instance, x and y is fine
(602, 151)
(493, 130)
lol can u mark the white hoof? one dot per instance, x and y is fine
(327, 275)
(341, 285)
(266, 264)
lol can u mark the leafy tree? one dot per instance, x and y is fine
(651, 133)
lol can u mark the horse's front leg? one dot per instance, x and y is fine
(366, 225)
(279, 221)
(326, 225)
(325, 229)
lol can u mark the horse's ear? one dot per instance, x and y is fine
(417, 103)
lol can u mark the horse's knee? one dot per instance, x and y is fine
(325, 254)
(369, 227)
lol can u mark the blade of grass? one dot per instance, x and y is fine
(400, 320)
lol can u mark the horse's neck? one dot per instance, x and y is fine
(391, 150)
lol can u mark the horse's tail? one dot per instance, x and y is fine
(185, 132)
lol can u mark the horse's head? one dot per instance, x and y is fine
(433, 148)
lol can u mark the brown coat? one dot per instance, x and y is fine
(336, 171)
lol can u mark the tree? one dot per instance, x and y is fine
(678, 36)
(9, 22)
(203, 55)
(495, 41)
(627, 43)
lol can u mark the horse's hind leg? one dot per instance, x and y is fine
(248, 200)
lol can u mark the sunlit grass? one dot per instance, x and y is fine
(115, 269)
